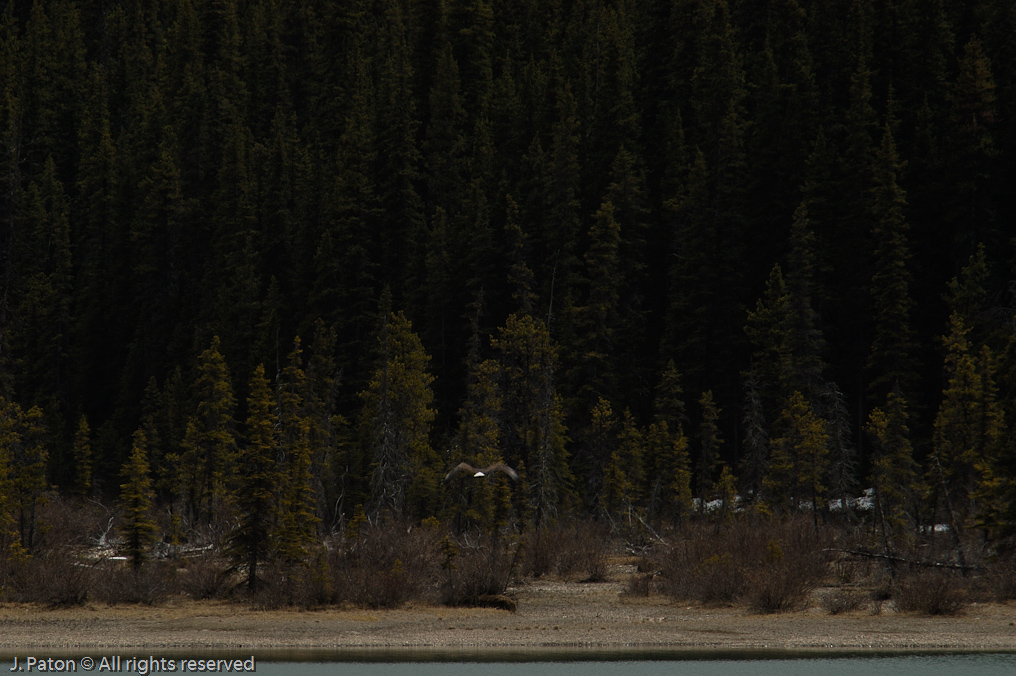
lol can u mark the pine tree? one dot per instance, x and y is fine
(10, 545)
(479, 439)
(709, 448)
(321, 385)
(29, 456)
(209, 446)
(806, 341)
(769, 328)
(297, 511)
(592, 462)
(136, 498)
(799, 462)
(11, 151)
(843, 462)
(533, 429)
(891, 362)
(45, 311)
(755, 461)
(968, 296)
(894, 474)
(82, 454)
(599, 315)
(669, 479)
(973, 98)
(520, 275)
(626, 466)
(969, 426)
(99, 242)
(395, 421)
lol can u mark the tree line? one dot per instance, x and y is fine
(293, 261)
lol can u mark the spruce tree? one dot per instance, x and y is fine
(893, 474)
(533, 429)
(755, 458)
(799, 461)
(843, 461)
(626, 469)
(479, 441)
(769, 330)
(969, 427)
(82, 453)
(891, 361)
(136, 499)
(395, 422)
(709, 449)
(43, 330)
(10, 545)
(209, 445)
(599, 315)
(298, 517)
(668, 481)
(593, 461)
(29, 457)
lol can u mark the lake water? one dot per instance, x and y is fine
(905, 665)
(536, 662)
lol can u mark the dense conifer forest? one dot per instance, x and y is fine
(270, 269)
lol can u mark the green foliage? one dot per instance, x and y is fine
(755, 462)
(891, 362)
(28, 457)
(395, 422)
(258, 481)
(176, 170)
(969, 427)
(894, 472)
(533, 426)
(799, 461)
(136, 502)
(209, 447)
(82, 460)
(709, 448)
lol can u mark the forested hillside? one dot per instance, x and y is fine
(293, 261)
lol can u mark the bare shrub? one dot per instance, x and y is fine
(577, 547)
(583, 547)
(314, 584)
(385, 566)
(67, 522)
(478, 573)
(116, 583)
(768, 564)
(541, 553)
(792, 565)
(203, 578)
(1001, 580)
(843, 601)
(56, 578)
(930, 593)
(639, 584)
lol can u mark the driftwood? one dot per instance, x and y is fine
(940, 565)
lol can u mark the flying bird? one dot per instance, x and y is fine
(496, 467)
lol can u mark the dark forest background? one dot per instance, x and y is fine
(314, 254)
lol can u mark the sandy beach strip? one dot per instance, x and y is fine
(551, 615)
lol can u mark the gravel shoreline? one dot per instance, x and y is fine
(551, 615)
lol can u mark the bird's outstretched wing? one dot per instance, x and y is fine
(501, 467)
(461, 467)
